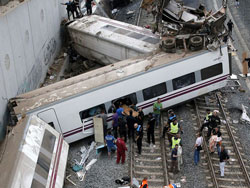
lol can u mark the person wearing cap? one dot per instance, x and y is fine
(214, 121)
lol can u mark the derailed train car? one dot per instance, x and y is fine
(35, 156)
(69, 105)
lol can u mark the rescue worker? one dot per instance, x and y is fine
(176, 140)
(121, 150)
(139, 135)
(171, 117)
(214, 121)
(151, 129)
(144, 183)
(173, 130)
(206, 119)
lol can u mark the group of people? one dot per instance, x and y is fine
(130, 126)
(72, 7)
(214, 138)
(173, 129)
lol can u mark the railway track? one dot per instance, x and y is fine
(151, 163)
(236, 171)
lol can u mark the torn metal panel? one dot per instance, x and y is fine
(244, 117)
(174, 9)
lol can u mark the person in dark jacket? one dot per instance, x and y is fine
(88, 5)
(122, 128)
(140, 117)
(139, 135)
(151, 128)
(69, 8)
(223, 159)
(130, 122)
(214, 121)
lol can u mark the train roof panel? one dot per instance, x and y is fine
(137, 38)
(94, 79)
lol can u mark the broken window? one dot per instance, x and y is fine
(91, 111)
(154, 91)
(211, 71)
(183, 81)
(127, 100)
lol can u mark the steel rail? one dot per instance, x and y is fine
(131, 161)
(163, 151)
(229, 130)
(210, 163)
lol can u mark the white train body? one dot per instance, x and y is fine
(35, 156)
(109, 41)
(69, 104)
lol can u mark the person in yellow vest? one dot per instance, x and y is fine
(176, 140)
(206, 119)
(144, 183)
(174, 129)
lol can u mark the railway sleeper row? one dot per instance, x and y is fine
(149, 162)
(234, 176)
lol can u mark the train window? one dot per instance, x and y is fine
(154, 91)
(211, 71)
(91, 111)
(128, 100)
(44, 160)
(183, 81)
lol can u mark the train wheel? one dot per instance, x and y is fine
(196, 41)
(169, 43)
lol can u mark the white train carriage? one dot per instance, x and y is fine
(69, 105)
(35, 156)
(109, 41)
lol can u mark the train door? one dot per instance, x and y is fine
(50, 117)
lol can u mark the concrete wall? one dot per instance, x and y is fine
(29, 41)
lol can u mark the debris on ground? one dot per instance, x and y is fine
(67, 178)
(244, 117)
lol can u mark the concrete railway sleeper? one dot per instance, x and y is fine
(151, 163)
(236, 172)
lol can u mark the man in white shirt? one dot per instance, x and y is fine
(197, 147)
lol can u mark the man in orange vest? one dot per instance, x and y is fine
(144, 183)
